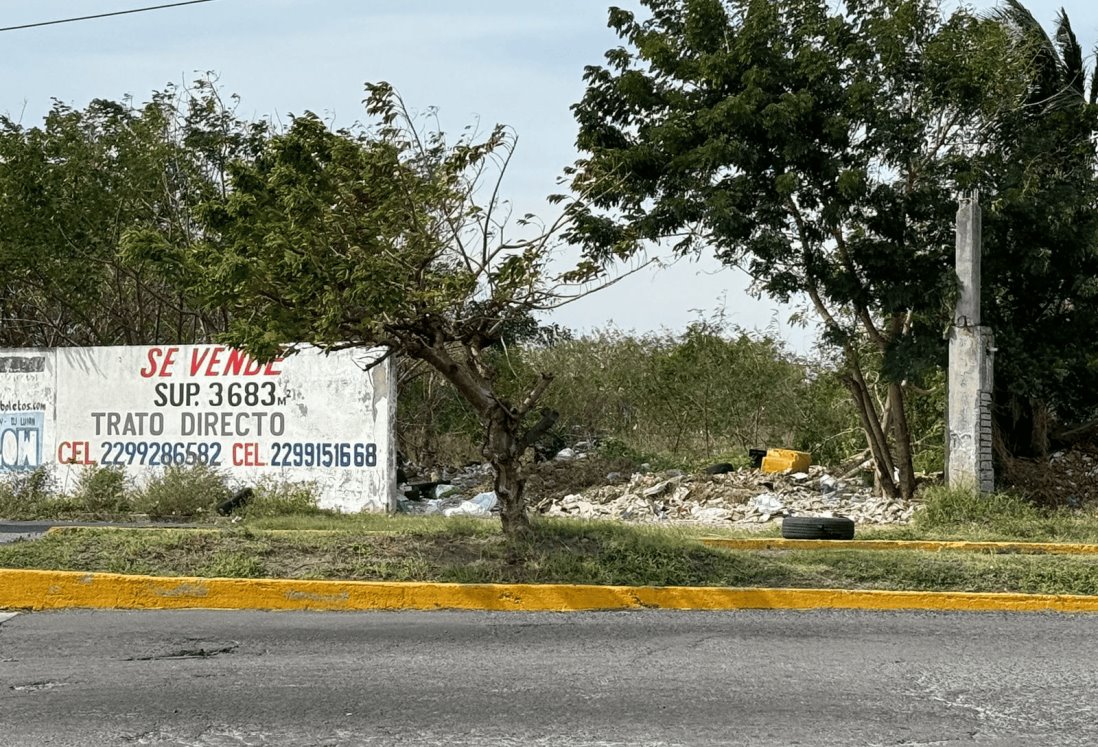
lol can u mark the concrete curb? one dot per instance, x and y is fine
(775, 543)
(42, 590)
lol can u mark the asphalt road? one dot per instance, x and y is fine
(447, 678)
(11, 531)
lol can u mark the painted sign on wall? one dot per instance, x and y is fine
(310, 417)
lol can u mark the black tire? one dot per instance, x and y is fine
(817, 527)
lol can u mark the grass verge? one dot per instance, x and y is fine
(557, 552)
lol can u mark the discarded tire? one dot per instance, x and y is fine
(817, 527)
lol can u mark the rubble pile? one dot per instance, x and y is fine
(582, 486)
(1067, 478)
(742, 496)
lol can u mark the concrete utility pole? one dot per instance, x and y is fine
(971, 372)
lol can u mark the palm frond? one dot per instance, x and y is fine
(1071, 54)
(1093, 98)
(1058, 70)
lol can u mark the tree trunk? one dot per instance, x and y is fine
(503, 449)
(901, 436)
(875, 435)
(1039, 438)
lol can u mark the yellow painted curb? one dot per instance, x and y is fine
(775, 543)
(41, 590)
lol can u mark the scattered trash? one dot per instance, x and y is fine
(767, 503)
(481, 505)
(781, 460)
(1067, 478)
(418, 491)
(741, 496)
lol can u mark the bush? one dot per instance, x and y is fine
(28, 495)
(279, 498)
(182, 492)
(707, 394)
(102, 490)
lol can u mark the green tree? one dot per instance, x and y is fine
(817, 147)
(71, 191)
(434, 424)
(1041, 238)
(379, 237)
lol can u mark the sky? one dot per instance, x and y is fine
(514, 62)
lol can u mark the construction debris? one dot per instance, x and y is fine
(743, 496)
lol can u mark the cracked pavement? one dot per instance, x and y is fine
(472, 678)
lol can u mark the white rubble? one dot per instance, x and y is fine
(745, 496)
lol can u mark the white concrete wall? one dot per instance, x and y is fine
(309, 418)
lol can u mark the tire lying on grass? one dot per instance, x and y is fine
(817, 527)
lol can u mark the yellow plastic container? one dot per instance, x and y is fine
(780, 460)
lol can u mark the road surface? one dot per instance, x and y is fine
(621, 678)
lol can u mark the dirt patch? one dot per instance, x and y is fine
(552, 480)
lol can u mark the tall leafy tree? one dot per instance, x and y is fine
(1041, 240)
(819, 148)
(383, 236)
(71, 191)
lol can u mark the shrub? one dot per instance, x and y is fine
(182, 492)
(711, 392)
(280, 498)
(102, 490)
(28, 495)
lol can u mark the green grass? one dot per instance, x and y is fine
(273, 540)
(961, 515)
(558, 551)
